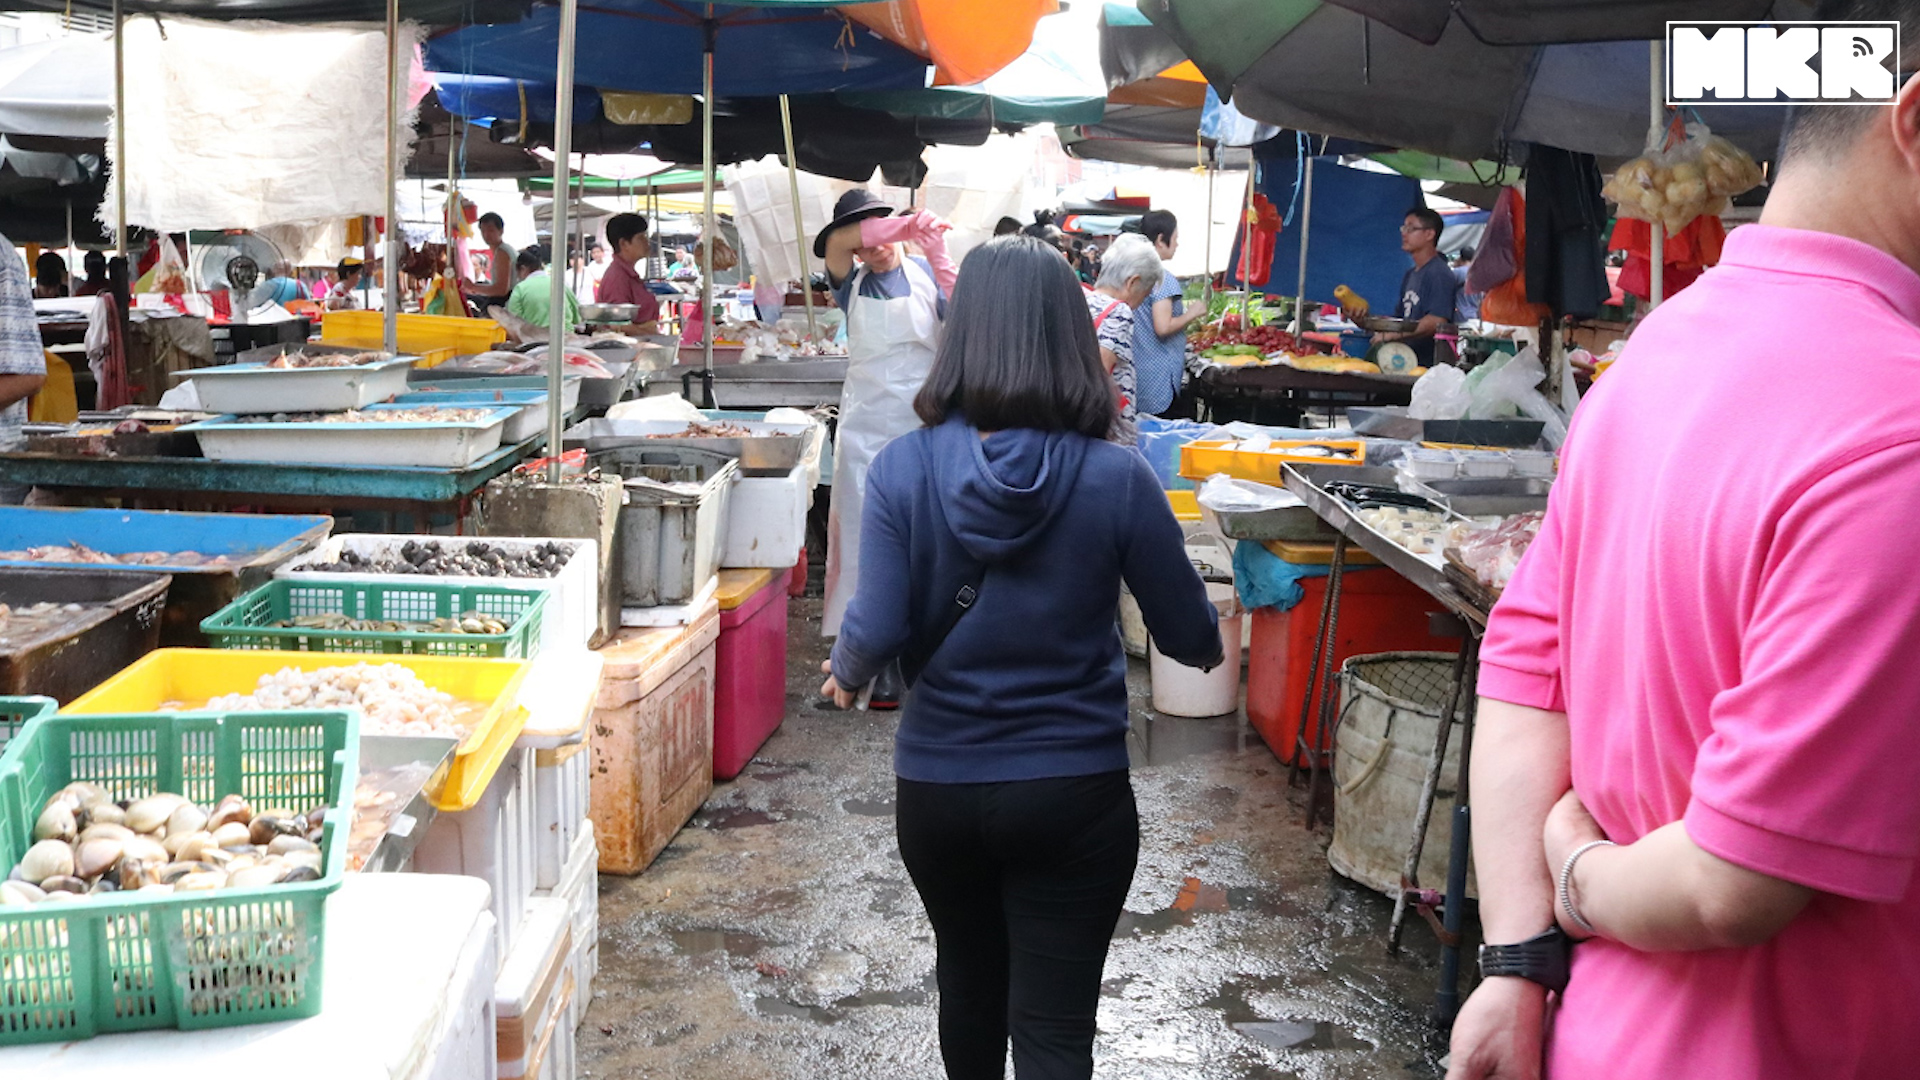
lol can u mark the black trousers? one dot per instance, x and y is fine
(1023, 882)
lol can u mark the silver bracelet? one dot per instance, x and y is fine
(1566, 883)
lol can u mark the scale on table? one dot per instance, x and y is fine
(1392, 357)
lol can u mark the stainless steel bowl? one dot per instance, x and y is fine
(608, 313)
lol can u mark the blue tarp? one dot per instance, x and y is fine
(1355, 231)
(1264, 579)
(490, 97)
(655, 46)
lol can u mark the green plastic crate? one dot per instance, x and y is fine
(129, 962)
(16, 711)
(247, 623)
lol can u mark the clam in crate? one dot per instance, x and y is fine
(173, 869)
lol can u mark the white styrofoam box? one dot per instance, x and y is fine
(573, 595)
(560, 797)
(580, 888)
(425, 444)
(491, 840)
(257, 388)
(534, 991)
(767, 521)
(467, 1046)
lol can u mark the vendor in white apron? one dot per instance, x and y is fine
(894, 305)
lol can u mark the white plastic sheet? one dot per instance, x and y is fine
(763, 212)
(214, 144)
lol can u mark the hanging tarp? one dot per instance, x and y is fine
(764, 203)
(216, 152)
(1353, 238)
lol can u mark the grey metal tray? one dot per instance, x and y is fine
(773, 449)
(393, 852)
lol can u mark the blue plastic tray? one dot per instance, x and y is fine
(253, 539)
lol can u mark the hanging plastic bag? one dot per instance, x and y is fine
(170, 273)
(724, 257)
(1692, 172)
(1514, 385)
(1223, 494)
(1440, 394)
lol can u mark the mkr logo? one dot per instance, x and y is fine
(1731, 63)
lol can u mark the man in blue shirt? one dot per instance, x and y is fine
(1427, 290)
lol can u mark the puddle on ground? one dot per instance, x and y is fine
(1278, 1033)
(1114, 988)
(736, 817)
(697, 941)
(1197, 898)
(773, 1006)
(1153, 739)
(869, 807)
(908, 997)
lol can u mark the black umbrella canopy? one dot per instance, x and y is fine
(432, 12)
(1553, 22)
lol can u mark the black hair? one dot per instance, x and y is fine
(1429, 219)
(348, 269)
(1159, 226)
(529, 259)
(1006, 226)
(622, 227)
(50, 268)
(1043, 230)
(1815, 131)
(493, 219)
(1019, 349)
(93, 260)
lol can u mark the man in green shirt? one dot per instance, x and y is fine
(532, 297)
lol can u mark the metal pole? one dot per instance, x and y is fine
(1306, 230)
(557, 298)
(1208, 257)
(119, 130)
(1657, 108)
(390, 315)
(706, 185)
(799, 219)
(1246, 243)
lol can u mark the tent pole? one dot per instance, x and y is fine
(1306, 230)
(557, 326)
(1246, 244)
(1209, 231)
(1657, 108)
(707, 315)
(119, 130)
(799, 219)
(390, 316)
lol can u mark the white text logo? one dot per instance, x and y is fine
(1726, 63)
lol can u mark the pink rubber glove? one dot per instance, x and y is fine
(875, 231)
(932, 240)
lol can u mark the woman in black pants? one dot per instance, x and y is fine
(994, 543)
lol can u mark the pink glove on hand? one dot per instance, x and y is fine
(930, 234)
(875, 231)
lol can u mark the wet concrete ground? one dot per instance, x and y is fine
(779, 937)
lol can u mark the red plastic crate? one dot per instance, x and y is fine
(750, 667)
(1380, 611)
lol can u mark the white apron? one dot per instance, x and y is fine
(890, 345)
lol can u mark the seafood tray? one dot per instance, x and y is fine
(213, 557)
(393, 803)
(489, 688)
(62, 632)
(365, 617)
(530, 421)
(130, 961)
(435, 381)
(410, 442)
(763, 449)
(573, 606)
(259, 388)
(16, 711)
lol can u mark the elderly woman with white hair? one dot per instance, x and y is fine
(1128, 273)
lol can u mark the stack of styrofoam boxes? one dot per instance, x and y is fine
(491, 840)
(573, 595)
(533, 998)
(767, 518)
(566, 860)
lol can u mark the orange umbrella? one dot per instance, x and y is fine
(965, 40)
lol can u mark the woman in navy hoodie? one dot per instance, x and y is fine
(1015, 815)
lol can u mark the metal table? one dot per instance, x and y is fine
(1297, 391)
(171, 483)
(1469, 616)
(800, 384)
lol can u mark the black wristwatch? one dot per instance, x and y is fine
(1544, 958)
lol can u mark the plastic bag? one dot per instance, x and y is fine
(1513, 385)
(170, 273)
(658, 407)
(1223, 494)
(1441, 394)
(1698, 173)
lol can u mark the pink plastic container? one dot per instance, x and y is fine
(750, 667)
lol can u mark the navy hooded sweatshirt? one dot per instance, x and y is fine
(1031, 682)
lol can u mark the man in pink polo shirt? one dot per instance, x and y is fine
(1715, 644)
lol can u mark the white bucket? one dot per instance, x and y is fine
(1179, 690)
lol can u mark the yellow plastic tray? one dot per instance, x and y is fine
(1199, 460)
(1186, 505)
(417, 333)
(197, 674)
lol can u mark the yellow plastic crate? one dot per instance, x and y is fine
(436, 357)
(1199, 460)
(166, 675)
(1186, 505)
(421, 334)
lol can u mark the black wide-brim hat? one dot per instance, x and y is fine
(855, 205)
